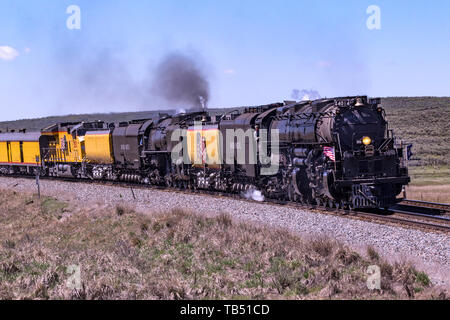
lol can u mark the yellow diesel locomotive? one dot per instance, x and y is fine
(63, 150)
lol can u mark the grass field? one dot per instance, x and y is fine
(430, 176)
(429, 184)
(438, 193)
(122, 254)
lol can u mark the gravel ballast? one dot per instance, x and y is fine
(428, 250)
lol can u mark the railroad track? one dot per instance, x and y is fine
(425, 204)
(430, 218)
(392, 216)
(412, 219)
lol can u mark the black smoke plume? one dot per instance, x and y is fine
(180, 80)
(99, 80)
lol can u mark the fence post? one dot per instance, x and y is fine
(38, 182)
(38, 174)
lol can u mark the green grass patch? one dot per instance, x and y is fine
(52, 206)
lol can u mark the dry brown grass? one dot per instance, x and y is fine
(177, 255)
(437, 193)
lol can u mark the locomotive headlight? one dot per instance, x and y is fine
(366, 141)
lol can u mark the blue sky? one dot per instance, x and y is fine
(253, 52)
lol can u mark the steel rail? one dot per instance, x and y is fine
(427, 204)
(396, 219)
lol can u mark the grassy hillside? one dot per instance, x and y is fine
(424, 122)
(123, 254)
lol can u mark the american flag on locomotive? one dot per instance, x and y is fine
(329, 152)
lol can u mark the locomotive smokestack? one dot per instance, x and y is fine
(359, 102)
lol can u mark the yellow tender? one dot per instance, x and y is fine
(203, 144)
(98, 147)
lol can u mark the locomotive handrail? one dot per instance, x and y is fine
(391, 133)
(229, 112)
(339, 142)
(384, 144)
(365, 196)
(353, 141)
(305, 115)
(155, 152)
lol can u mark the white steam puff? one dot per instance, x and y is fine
(305, 95)
(253, 194)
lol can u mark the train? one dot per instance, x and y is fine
(332, 152)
